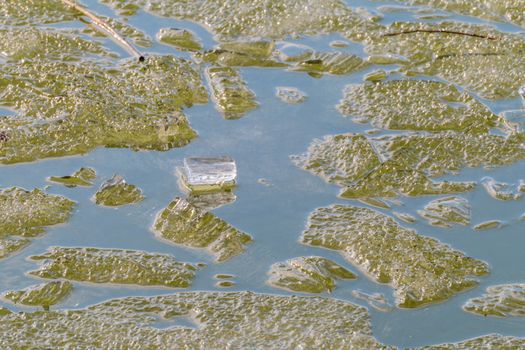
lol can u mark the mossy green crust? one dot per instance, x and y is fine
(29, 12)
(116, 192)
(337, 63)
(182, 223)
(420, 269)
(23, 43)
(82, 177)
(447, 211)
(126, 30)
(182, 39)
(502, 301)
(223, 321)
(310, 274)
(484, 61)
(495, 10)
(249, 53)
(44, 295)
(9, 246)
(501, 190)
(114, 266)
(352, 161)
(27, 213)
(258, 18)
(491, 341)
(232, 96)
(416, 105)
(130, 104)
(404, 164)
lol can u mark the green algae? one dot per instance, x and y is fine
(240, 320)
(44, 295)
(24, 43)
(34, 12)
(225, 284)
(114, 266)
(501, 300)
(182, 223)
(447, 211)
(211, 200)
(337, 63)
(311, 274)
(405, 217)
(9, 246)
(232, 96)
(116, 192)
(288, 52)
(242, 53)
(352, 161)
(63, 108)
(27, 213)
(4, 311)
(501, 190)
(488, 225)
(375, 76)
(259, 18)
(82, 177)
(232, 58)
(124, 29)
(510, 11)
(491, 341)
(422, 270)
(375, 300)
(482, 60)
(416, 105)
(182, 39)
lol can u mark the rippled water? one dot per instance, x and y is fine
(275, 214)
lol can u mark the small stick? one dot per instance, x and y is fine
(441, 31)
(104, 26)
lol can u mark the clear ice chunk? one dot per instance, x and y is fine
(209, 173)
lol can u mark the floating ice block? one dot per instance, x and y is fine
(208, 174)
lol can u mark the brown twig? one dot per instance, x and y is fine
(106, 28)
(440, 31)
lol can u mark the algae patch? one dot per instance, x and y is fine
(354, 162)
(27, 213)
(240, 320)
(232, 96)
(82, 177)
(45, 295)
(64, 108)
(479, 58)
(422, 270)
(416, 105)
(9, 246)
(116, 192)
(259, 18)
(310, 274)
(182, 39)
(447, 211)
(491, 341)
(182, 223)
(114, 266)
(501, 300)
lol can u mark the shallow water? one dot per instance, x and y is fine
(274, 214)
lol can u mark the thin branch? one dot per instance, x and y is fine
(440, 31)
(106, 28)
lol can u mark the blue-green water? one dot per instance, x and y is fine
(261, 143)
